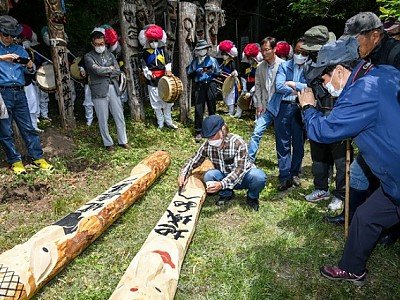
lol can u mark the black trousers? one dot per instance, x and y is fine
(322, 156)
(376, 214)
(204, 94)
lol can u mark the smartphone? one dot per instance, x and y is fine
(21, 60)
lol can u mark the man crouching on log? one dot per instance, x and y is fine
(233, 168)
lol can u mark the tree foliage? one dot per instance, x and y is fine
(390, 9)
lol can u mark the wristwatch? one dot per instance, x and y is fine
(307, 106)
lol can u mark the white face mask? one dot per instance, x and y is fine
(216, 143)
(26, 44)
(202, 52)
(225, 57)
(331, 89)
(154, 45)
(299, 59)
(100, 49)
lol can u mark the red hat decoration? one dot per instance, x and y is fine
(228, 47)
(252, 50)
(110, 36)
(26, 32)
(152, 32)
(282, 49)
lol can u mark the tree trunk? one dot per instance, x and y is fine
(186, 38)
(154, 271)
(25, 268)
(59, 53)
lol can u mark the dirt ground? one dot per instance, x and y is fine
(55, 144)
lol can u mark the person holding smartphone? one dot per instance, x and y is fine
(14, 63)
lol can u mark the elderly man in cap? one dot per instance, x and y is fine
(324, 155)
(14, 63)
(233, 167)
(203, 69)
(367, 110)
(376, 47)
(103, 71)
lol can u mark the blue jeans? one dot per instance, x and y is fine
(289, 140)
(17, 106)
(358, 179)
(262, 123)
(254, 181)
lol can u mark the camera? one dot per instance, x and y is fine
(21, 60)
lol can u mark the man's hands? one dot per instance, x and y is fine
(182, 180)
(259, 110)
(8, 57)
(306, 96)
(214, 188)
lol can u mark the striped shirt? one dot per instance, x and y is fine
(232, 159)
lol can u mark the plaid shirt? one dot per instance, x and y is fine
(232, 159)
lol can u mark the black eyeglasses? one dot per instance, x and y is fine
(8, 35)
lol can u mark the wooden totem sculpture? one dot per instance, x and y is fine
(187, 39)
(59, 53)
(25, 268)
(154, 271)
(214, 19)
(134, 15)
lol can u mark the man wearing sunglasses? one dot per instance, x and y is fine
(14, 63)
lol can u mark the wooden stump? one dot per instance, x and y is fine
(154, 271)
(27, 267)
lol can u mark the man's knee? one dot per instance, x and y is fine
(258, 177)
(212, 175)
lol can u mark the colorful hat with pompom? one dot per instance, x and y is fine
(228, 47)
(152, 32)
(252, 50)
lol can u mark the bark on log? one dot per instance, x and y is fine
(25, 268)
(59, 53)
(187, 23)
(154, 271)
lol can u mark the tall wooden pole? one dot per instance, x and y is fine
(215, 18)
(133, 16)
(25, 268)
(59, 53)
(186, 39)
(347, 191)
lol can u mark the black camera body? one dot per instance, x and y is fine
(21, 60)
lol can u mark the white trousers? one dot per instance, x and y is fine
(31, 92)
(161, 108)
(112, 103)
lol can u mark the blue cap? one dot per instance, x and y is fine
(331, 54)
(211, 125)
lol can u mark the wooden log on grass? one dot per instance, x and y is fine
(25, 268)
(154, 271)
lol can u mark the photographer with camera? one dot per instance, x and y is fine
(324, 155)
(14, 63)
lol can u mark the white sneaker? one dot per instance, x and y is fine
(172, 126)
(318, 195)
(335, 204)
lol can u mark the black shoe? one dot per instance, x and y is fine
(337, 220)
(285, 184)
(253, 203)
(223, 200)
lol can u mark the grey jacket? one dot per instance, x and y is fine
(261, 93)
(103, 70)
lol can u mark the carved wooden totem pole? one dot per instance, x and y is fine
(134, 14)
(215, 18)
(59, 53)
(187, 39)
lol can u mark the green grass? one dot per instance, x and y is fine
(235, 253)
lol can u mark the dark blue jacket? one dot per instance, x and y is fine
(367, 110)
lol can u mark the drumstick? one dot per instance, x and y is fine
(41, 55)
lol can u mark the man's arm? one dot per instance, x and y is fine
(281, 86)
(195, 161)
(95, 68)
(353, 112)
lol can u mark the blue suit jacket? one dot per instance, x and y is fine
(368, 109)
